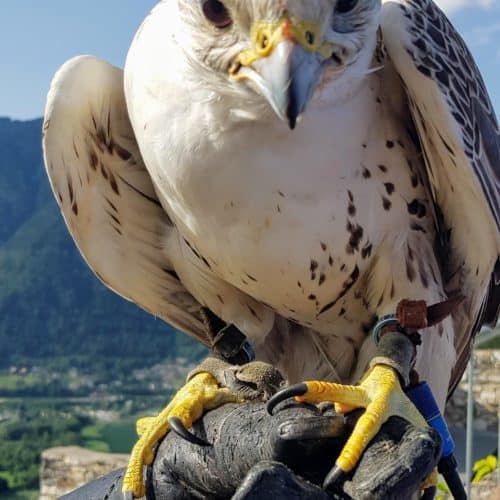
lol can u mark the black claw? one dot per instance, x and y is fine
(178, 427)
(334, 477)
(289, 392)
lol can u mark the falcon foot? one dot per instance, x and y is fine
(380, 393)
(213, 384)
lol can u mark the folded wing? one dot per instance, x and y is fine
(460, 141)
(106, 195)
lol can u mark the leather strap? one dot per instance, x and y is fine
(227, 341)
(414, 315)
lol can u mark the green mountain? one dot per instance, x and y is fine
(51, 305)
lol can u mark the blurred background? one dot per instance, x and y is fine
(78, 363)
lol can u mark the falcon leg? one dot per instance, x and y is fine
(379, 392)
(200, 394)
(212, 384)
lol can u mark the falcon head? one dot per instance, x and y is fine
(280, 53)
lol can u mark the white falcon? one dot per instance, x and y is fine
(297, 167)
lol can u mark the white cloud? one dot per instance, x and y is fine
(485, 35)
(450, 6)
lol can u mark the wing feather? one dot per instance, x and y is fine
(460, 138)
(106, 195)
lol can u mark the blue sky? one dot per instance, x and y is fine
(37, 36)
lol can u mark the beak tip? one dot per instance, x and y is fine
(292, 111)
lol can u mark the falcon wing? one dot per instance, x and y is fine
(460, 141)
(106, 195)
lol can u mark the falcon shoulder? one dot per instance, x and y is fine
(106, 195)
(460, 141)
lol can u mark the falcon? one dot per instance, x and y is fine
(296, 169)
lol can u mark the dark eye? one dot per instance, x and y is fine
(344, 6)
(216, 13)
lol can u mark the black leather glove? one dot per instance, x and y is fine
(255, 455)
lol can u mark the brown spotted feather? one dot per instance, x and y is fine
(460, 139)
(106, 195)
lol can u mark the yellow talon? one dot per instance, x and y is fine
(380, 393)
(200, 394)
(143, 424)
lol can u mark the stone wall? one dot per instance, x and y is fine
(67, 468)
(486, 403)
(486, 394)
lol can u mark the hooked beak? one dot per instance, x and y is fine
(284, 64)
(288, 78)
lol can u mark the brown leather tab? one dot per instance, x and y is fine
(438, 312)
(412, 315)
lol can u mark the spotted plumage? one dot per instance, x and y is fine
(440, 54)
(185, 189)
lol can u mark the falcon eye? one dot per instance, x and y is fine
(344, 6)
(217, 13)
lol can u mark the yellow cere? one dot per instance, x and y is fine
(266, 35)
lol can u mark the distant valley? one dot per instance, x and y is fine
(52, 308)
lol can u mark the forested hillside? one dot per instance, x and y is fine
(51, 305)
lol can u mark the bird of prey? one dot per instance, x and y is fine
(297, 168)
